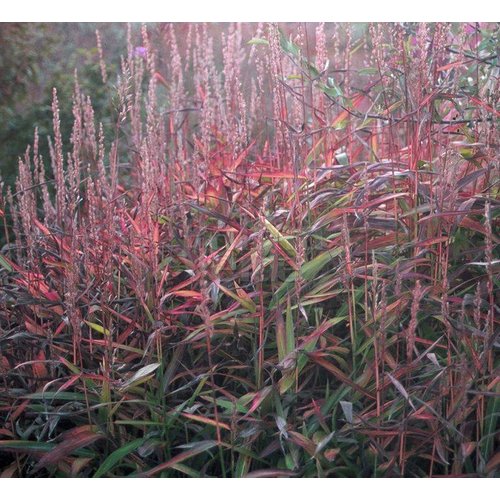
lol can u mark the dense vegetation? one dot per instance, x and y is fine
(277, 256)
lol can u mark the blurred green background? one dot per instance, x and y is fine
(34, 58)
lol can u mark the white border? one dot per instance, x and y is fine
(248, 489)
(249, 10)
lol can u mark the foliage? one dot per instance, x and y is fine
(282, 264)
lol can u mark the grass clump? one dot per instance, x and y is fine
(284, 263)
